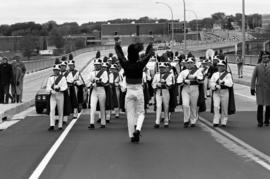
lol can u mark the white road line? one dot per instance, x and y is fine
(44, 162)
(245, 96)
(236, 145)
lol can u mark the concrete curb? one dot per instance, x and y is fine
(242, 82)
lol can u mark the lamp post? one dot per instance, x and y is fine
(185, 31)
(243, 30)
(167, 5)
(197, 26)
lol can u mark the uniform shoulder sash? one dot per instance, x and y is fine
(100, 73)
(223, 75)
(165, 76)
(74, 72)
(58, 79)
(193, 71)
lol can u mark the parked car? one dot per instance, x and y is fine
(42, 99)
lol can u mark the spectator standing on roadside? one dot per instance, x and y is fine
(260, 86)
(6, 79)
(20, 71)
(16, 86)
(1, 87)
(240, 64)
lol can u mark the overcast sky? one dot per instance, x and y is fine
(82, 11)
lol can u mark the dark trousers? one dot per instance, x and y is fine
(1, 93)
(6, 93)
(260, 114)
(240, 69)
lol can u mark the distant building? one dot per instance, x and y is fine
(160, 31)
(266, 22)
(236, 26)
(217, 27)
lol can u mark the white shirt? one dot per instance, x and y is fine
(50, 83)
(185, 73)
(114, 81)
(92, 77)
(169, 80)
(77, 78)
(227, 80)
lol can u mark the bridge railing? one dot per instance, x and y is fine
(36, 65)
(249, 59)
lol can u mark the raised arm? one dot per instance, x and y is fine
(120, 54)
(148, 53)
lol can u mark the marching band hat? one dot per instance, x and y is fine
(97, 62)
(71, 62)
(216, 58)
(161, 65)
(221, 63)
(205, 61)
(113, 66)
(63, 63)
(56, 67)
(104, 64)
(190, 60)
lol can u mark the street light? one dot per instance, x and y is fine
(165, 4)
(197, 26)
(243, 30)
(185, 31)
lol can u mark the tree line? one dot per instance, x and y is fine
(71, 28)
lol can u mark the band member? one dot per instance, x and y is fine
(173, 90)
(114, 80)
(67, 103)
(74, 80)
(109, 102)
(261, 87)
(220, 83)
(98, 79)
(146, 79)
(133, 68)
(205, 68)
(161, 83)
(56, 85)
(190, 80)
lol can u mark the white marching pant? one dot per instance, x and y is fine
(98, 95)
(221, 98)
(164, 99)
(134, 107)
(190, 96)
(117, 110)
(205, 86)
(56, 100)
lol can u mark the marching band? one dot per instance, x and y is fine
(134, 83)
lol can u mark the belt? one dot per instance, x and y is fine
(99, 85)
(194, 83)
(224, 87)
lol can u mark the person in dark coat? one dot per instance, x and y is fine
(1, 87)
(260, 85)
(19, 71)
(6, 79)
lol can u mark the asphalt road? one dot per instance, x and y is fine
(175, 152)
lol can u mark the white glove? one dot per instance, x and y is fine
(218, 87)
(56, 86)
(187, 82)
(53, 92)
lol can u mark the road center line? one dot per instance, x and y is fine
(236, 145)
(44, 162)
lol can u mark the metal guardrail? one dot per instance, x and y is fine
(249, 59)
(37, 65)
